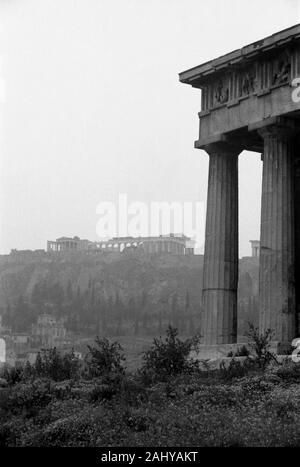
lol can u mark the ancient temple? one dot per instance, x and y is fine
(250, 100)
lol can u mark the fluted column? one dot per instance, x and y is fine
(220, 272)
(277, 250)
(297, 230)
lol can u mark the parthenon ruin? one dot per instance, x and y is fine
(172, 243)
(249, 102)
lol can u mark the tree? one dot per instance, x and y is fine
(260, 344)
(23, 315)
(52, 364)
(118, 312)
(186, 311)
(175, 311)
(105, 358)
(167, 357)
(69, 292)
(103, 314)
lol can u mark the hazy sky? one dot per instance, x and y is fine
(93, 107)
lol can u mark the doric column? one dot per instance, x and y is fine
(297, 230)
(277, 249)
(220, 272)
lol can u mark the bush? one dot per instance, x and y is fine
(289, 371)
(12, 375)
(132, 391)
(107, 386)
(167, 357)
(50, 363)
(27, 399)
(260, 344)
(241, 352)
(234, 370)
(104, 358)
(102, 392)
(7, 436)
(136, 420)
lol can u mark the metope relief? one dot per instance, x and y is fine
(281, 69)
(221, 93)
(248, 82)
(257, 77)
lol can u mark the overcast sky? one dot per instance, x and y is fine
(93, 107)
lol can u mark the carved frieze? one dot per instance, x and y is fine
(221, 94)
(282, 68)
(248, 82)
(240, 82)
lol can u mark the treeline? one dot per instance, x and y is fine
(91, 311)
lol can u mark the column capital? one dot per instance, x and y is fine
(221, 148)
(284, 128)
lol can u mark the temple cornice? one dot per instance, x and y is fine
(199, 75)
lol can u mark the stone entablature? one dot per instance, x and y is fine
(256, 77)
(244, 87)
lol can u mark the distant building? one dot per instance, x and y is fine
(190, 247)
(178, 244)
(20, 342)
(48, 331)
(31, 356)
(4, 330)
(69, 244)
(255, 245)
(11, 357)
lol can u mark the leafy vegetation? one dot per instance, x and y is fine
(241, 352)
(105, 358)
(170, 401)
(260, 344)
(168, 357)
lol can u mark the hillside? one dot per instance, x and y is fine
(111, 293)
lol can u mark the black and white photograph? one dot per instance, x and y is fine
(149, 229)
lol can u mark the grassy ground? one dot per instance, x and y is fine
(221, 408)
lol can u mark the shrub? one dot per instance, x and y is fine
(285, 404)
(132, 391)
(102, 392)
(52, 364)
(167, 357)
(12, 375)
(241, 352)
(289, 371)
(28, 398)
(235, 369)
(106, 387)
(104, 358)
(7, 436)
(260, 344)
(136, 420)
